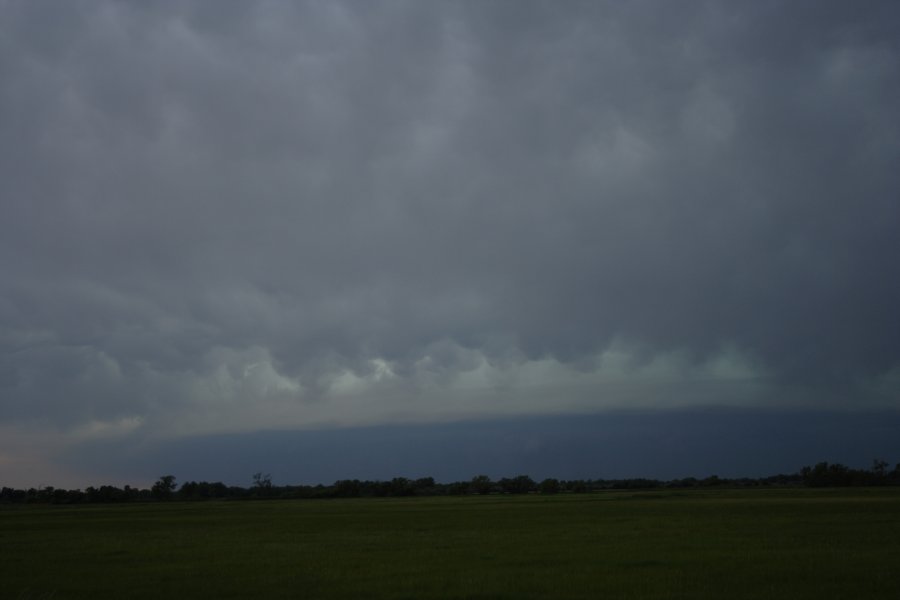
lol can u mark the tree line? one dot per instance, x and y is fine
(166, 487)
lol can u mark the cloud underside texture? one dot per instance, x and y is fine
(237, 216)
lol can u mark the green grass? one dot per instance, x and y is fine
(697, 544)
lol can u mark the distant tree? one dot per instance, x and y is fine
(894, 476)
(163, 488)
(401, 486)
(424, 486)
(521, 484)
(481, 484)
(189, 490)
(347, 488)
(45, 494)
(262, 480)
(549, 486)
(577, 486)
(458, 488)
(712, 481)
(524, 484)
(262, 484)
(824, 474)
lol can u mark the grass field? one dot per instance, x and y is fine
(694, 544)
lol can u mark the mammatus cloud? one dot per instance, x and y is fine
(245, 216)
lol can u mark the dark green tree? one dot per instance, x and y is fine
(481, 484)
(424, 486)
(578, 486)
(521, 484)
(550, 486)
(262, 484)
(401, 486)
(163, 488)
(347, 488)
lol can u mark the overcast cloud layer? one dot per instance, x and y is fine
(224, 217)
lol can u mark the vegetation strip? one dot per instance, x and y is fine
(667, 543)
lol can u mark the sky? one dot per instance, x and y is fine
(376, 239)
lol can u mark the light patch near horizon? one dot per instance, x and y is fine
(246, 393)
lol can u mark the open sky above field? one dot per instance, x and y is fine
(233, 221)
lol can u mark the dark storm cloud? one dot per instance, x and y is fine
(196, 194)
(658, 444)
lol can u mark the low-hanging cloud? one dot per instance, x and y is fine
(215, 218)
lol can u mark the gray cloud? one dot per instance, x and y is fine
(217, 213)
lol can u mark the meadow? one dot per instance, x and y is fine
(760, 543)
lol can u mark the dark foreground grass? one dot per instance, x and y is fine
(702, 544)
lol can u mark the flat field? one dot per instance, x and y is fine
(692, 544)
